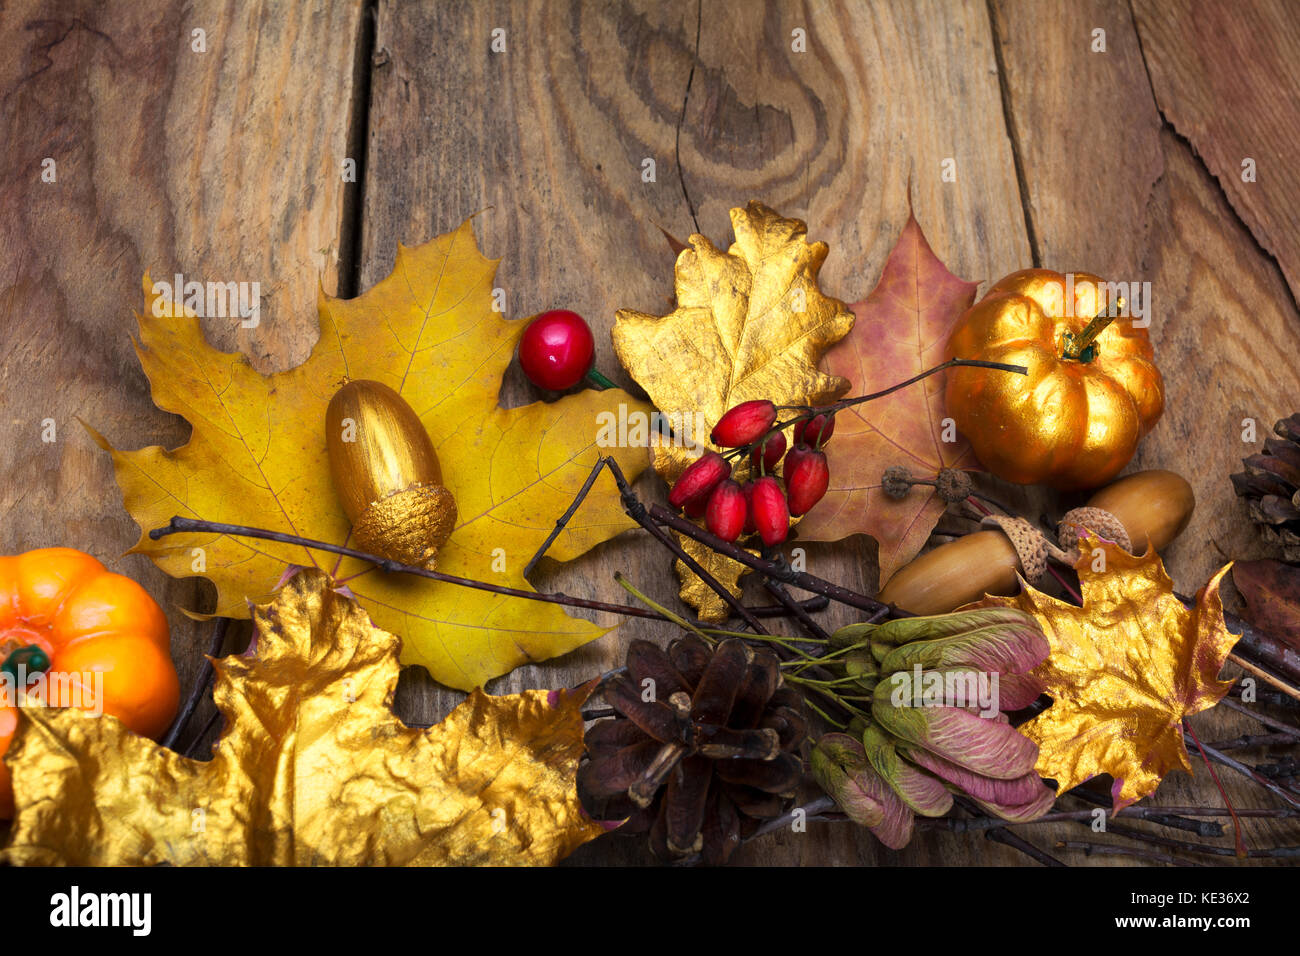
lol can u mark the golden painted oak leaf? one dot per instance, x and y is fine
(313, 768)
(257, 457)
(1124, 671)
(750, 323)
(901, 330)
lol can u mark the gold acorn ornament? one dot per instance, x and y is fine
(387, 474)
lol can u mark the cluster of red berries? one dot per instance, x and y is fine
(706, 488)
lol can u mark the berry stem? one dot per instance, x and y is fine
(599, 381)
(809, 412)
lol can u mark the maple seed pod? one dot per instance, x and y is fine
(743, 424)
(387, 474)
(726, 514)
(806, 481)
(771, 516)
(699, 479)
(815, 431)
(768, 452)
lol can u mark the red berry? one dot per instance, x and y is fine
(806, 480)
(696, 507)
(726, 514)
(747, 489)
(768, 452)
(744, 423)
(771, 517)
(798, 451)
(815, 431)
(556, 350)
(699, 479)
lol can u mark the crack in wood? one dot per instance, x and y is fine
(1008, 120)
(677, 141)
(1167, 124)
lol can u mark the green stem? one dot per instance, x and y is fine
(31, 658)
(1078, 348)
(677, 619)
(599, 381)
(825, 716)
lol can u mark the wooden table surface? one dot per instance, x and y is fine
(226, 162)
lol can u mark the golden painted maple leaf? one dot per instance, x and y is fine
(257, 457)
(313, 767)
(750, 323)
(1124, 671)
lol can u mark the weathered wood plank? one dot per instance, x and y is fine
(552, 135)
(1225, 77)
(222, 165)
(1110, 189)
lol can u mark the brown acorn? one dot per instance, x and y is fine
(387, 474)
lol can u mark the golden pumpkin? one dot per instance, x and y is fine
(1074, 421)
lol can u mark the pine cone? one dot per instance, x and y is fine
(705, 748)
(1271, 486)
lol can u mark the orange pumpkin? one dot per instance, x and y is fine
(63, 612)
(1074, 421)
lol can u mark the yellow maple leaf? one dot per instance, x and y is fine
(313, 767)
(1124, 671)
(257, 457)
(750, 323)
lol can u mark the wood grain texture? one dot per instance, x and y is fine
(552, 135)
(222, 165)
(226, 165)
(1225, 77)
(1222, 319)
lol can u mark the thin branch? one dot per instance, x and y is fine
(201, 682)
(1111, 849)
(179, 525)
(563, 520)
(1241, 768)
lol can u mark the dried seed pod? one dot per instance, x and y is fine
(690, 656)
(684, 804)
(611, 775)
(781, 775)
(655, 718)
(721, 682)
(714, 759)
(646, 661)
(608, 736)
(387, 474)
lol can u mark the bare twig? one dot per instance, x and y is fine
(1111, 849)
(201, 682)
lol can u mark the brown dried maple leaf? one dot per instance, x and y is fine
(901, 330)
